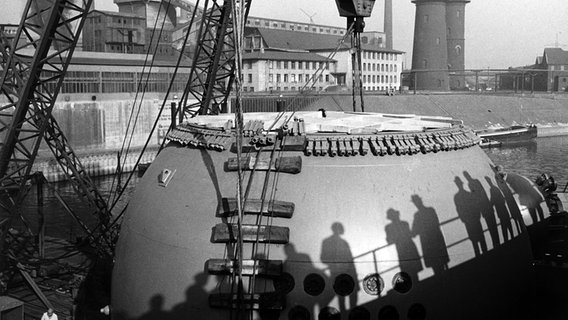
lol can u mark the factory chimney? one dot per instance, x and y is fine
(388, 23)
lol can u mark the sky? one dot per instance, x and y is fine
(499, 33)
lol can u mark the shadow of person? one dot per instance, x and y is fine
(498, 202)
(427, 225)
(314, 281)
(500, 177)
(482, 202)
(336, 254)
(529, 195)
(398, 233)
(196, 299)
(470, 217)
(156, 312)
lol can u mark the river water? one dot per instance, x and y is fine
(544, 155)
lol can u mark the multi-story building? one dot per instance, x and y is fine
(266, 23)
(276, 56)
(160, 19)
(116, 32)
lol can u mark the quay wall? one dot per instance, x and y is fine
(96, 129)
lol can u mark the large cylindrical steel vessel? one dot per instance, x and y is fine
(353, 221)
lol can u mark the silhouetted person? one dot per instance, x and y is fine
(196, 299)
(500, 177)
(156, 311)
(498, 202)
(398, 233)
(482, 202)
(336, 253)
(427, 225)
(471, 218)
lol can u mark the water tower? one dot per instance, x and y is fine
(439, 43)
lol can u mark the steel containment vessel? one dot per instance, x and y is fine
(346, 216)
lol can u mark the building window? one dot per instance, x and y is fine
(364, 67)
(314, 65)
(293, 77)
(300, 77)
(327, 78)
(251, 89)
(278, 78)
(300, 65)
(320, 78)
(270, 77)
(425, 63)
(396, 81)
(285, 77)
(458, 50)
(293, 65)
(250, 78)
(285, 64)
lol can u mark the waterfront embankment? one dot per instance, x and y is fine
(96, 129)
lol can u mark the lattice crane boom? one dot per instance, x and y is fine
(33, 67)
(212, 74)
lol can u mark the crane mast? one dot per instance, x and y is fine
(212, 74)
(32, 71)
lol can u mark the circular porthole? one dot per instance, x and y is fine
(284, 284)
(373, 284)
(344, 285)
(314, 284)
(401, 282)
(359, 313)
(388, 313)
(417, 312)
(299, 313)
(329, 313)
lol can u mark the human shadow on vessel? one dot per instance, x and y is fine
(427, 225)
(498, 203)
(470, 217)
(336, 254)
(479, 197)
(398, 233)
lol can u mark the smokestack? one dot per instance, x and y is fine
(388, 23)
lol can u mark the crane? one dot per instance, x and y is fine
(212, 73)
(33, 66)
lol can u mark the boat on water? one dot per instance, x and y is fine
(346, 216)
(507, 136)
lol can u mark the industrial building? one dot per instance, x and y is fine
(284, 60)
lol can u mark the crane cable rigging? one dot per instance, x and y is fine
(137, 105)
